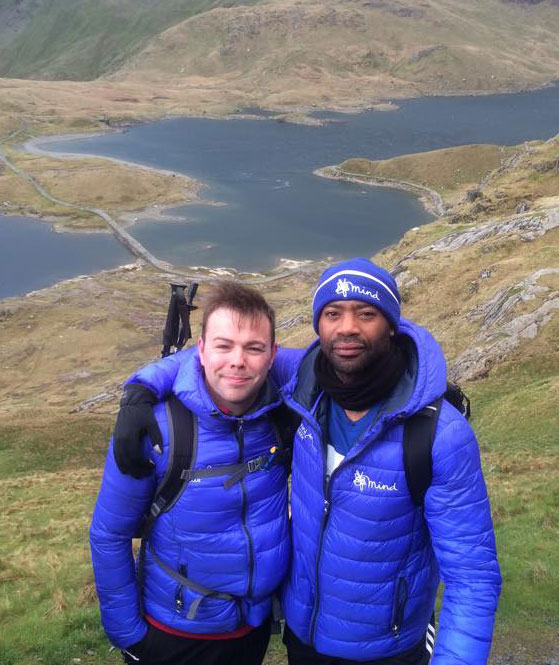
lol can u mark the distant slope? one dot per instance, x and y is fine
(82, 39)
(288, 51)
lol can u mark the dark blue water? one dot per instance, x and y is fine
(32, 255)
(276, 207)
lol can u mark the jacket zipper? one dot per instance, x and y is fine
(323, 525)
(400, 601)
(326, 514)
(239, 433)
(179, 601)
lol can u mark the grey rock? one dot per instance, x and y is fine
(406, 279)
(291, 322)
(472, 194)
(527, 227)
(500, 334)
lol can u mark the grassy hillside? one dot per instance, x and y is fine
(316, 52)
(476, 182)
(281, 52)
(444, 170)
(80, 39)
(64, 352)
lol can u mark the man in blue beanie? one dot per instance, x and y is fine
(367, 556)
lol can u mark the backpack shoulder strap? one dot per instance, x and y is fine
(458, 398)
(182, 437)
(181, 452)
(419, 433)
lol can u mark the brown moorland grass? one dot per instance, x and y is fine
(95, 183)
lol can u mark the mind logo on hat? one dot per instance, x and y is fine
(344, 287)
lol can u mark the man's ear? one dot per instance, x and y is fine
(274, 351)
(200, 343)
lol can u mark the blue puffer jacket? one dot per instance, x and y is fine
(230, 540)
(366, 561)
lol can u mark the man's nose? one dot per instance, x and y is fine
(348, 324)
(237, 357)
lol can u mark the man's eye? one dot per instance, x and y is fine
(368, 315)
(256, 349)
(332, 314)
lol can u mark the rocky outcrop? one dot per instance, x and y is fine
(526, 227)
(500, 331)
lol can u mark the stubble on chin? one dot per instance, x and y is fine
(350, 370)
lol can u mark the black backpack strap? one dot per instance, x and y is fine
(182, 437)
(419, 434)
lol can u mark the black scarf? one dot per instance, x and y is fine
(369, 387)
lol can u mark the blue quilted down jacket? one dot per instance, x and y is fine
(366, 562)
(231, 540)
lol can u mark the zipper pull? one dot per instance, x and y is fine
(179, 603)
(396, 630)
(326, 506)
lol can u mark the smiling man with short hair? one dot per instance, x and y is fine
(219, 549)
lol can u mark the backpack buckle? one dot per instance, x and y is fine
(254, 465)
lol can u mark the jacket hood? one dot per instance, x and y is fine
(423, 382)
(190, 388)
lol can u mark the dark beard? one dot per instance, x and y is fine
(373, 384)
(351, 370)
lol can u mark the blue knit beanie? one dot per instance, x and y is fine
(358, 279)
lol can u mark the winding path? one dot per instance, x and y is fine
(129, 242)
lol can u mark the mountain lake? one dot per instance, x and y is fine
(262, 171)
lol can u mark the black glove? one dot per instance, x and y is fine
(135, 419)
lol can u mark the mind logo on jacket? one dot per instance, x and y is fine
(363, 481)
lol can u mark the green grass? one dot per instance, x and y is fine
(49, 476)
(64, 442)
(81, 40)
(517, 420)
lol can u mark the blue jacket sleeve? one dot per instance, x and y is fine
(459, 519)
(285, 364)
(121, 504)
(160, 375)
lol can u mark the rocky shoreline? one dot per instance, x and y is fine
(431, 200)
